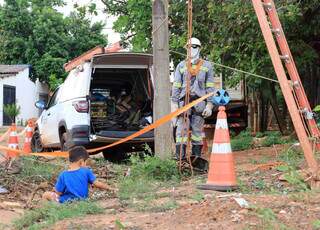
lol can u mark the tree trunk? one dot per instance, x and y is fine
(275, 107)
(259, 112)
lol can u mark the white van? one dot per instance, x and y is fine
(100, 102)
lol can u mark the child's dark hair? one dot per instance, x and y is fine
(78, 153)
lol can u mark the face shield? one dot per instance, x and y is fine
(195, 53)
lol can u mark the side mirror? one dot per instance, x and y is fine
(40, 104)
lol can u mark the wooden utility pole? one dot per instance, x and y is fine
(162, 86)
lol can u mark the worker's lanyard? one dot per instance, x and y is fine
(195, 69)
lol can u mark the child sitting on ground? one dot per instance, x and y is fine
(73, 184)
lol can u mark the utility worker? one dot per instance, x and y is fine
(201, 83)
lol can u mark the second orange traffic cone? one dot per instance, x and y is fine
(27, 140)
(13, 142)
(221, 175)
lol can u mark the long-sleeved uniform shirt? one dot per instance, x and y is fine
(200, 85)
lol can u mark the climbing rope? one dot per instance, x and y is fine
(185, 132)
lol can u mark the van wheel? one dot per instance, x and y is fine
(36, 144)
(63, 142)
(115, 155)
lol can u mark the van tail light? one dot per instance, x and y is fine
(81, 106)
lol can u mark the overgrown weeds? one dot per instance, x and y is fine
(268, 219)
(31, 167)
(242, 141)
(50, 213)
(245, 140)
(293, 158)
(147, 176)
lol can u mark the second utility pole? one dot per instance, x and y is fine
(161, 73)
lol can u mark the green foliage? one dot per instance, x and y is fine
(54, 82)
(147, 176)
(50, 213)
(154, 168)
(242, 142)
(198, 196)
(316, 224)
(12, 111)
(273, 138)
(293, 158)
(34, 32)
(33, 168)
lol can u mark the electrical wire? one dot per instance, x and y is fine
(233, 69)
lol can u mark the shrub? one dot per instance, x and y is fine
(12, 110)
(242, 142)
(273, 138)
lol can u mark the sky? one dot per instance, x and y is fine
(107, 19)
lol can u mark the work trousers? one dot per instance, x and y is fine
(195, 124)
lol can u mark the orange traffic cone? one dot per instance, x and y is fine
(27, 140)
(221, 175)
(13, 142)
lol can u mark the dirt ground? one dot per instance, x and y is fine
(214, 210)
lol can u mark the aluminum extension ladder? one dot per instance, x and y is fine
(291, 86)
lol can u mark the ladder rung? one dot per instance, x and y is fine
(267, 6)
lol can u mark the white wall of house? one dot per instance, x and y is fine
(27, 93)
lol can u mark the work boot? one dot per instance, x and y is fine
(197, 161)
(183, 152)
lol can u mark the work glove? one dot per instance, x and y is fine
(207, 112)
(174, 107)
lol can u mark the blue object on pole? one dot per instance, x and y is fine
(221, 98)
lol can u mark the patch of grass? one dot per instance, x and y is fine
(242, 142)
(31, 167)
(198, 196)
(243, 187)
(50, 213)
(119, 225)
(316, 224)
(259, 184)
(268, 218)
(292, 156)
(149, 206)
(272, 138)
(147, 177)
(154, 168)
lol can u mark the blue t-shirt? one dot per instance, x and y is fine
(74, 184)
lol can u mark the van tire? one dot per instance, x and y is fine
(36, 144)
(115, 155)
(63, 142)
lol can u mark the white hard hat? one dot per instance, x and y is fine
(195, 41)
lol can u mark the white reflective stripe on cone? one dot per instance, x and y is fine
(224, 148)
(13, 146)
(222, 124)
(29, 129)
(27, 139)
(13, 134)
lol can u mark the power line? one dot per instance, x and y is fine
(234, 69)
